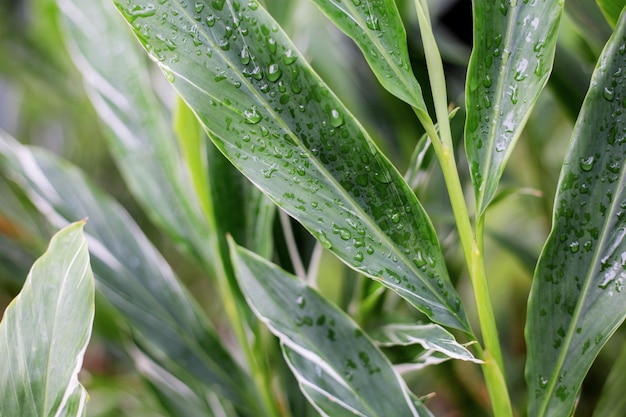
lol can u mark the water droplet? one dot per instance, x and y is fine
(290, 57)
(224, 45)
(608, 93)
(543, 381)
(301, 301)
(271, 45)
(395, 218)
(198, 7)
(574, 246)
(253, 5)
(359, 256)
(245, 56)
(356, 2)
(140, 11)
(372, 22)
(267, 173)
(210, 20)
(252, 115)
(487, 81)
(169, 75)
(218, 4)
(274, 72)
(586, 164)
(324, 240)
(343, 233)
(336, 118)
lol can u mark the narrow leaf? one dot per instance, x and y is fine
(512, 57)
(339, 369)
(377, 29)
(577, 299)
(611, 9)
(429, 336)
(279, 124)
(612, 401)
(45, 331)
(167, 322)
(139, 135)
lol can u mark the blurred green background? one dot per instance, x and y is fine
(42, 102)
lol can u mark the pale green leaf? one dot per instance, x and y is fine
(140, 137)
(377, 29)
(429, 336)
(278, 123)
(339, 369)
(577, 299)
(511, 60)
(45, 331)
(166, 321)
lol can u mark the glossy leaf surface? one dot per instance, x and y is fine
(45, 331)
(577, 299)
(338, 368)
(377, 29)
(514, 45)
(280, 125)
(168, 325)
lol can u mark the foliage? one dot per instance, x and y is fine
(279, 151)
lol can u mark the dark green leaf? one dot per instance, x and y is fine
(376, 27)
(612, 401)
(277, 122)
(45, 331)
(338, 368)
(577, 299)
(514, 45)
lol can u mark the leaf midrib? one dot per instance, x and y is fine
(261, 101)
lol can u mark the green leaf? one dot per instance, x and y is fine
(514, 45)
(429, 336)
(139, 135)
(167, 322)
(279, 124)
(612, 402)
(577, 299)
(339, 369)
(611, 9)
(377, 29)
(45, 331)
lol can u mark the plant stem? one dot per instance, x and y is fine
(493, 367)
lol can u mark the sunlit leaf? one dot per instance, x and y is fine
(339, 369)
(577, 299)
(514, 45)
(279, 124)
(167, 322)
(45, 330)
(376, 27)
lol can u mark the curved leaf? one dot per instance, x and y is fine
(611, 9)
(338, 368)
(612, 402)
(377, 29)
(280, 125)
(45, 331)
(514, 45)
(577, 299)
(167, 323)
(140, 138)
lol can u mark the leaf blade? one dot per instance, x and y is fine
(378, 31)
(580, 273)
(339, 369)
(509, 66)
(279, 124)
(45, 331)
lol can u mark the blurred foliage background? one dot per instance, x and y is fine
(42, 102)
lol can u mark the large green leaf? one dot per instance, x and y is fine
(140, 137)
(611, 9)
(45, 331)
(339, 369)
(514, 43)
(577, 299)
(167, 323)
(279, 124)
(376, 27)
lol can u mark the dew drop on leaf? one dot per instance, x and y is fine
(586, 164)
(336, 118)
(252, 115)
(274, 72)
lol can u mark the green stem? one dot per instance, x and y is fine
(493, 367)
